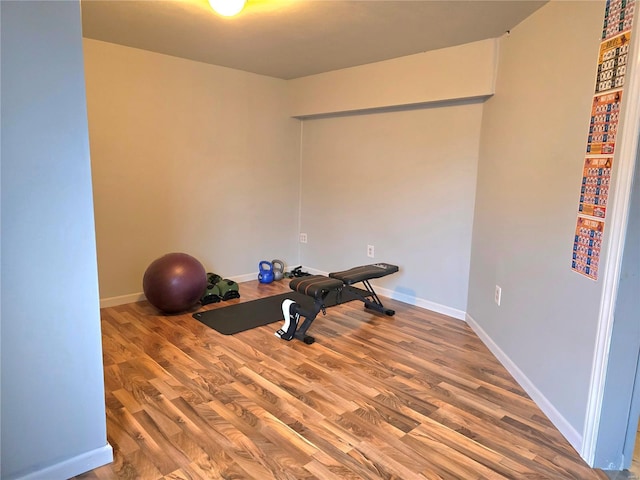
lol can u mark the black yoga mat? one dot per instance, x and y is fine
(255, 313)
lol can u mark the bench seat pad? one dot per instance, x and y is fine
(316, 286)
(365, 272)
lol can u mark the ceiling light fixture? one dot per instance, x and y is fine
(227, 8)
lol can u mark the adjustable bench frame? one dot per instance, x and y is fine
(319, 286)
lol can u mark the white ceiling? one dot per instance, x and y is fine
(295, 38)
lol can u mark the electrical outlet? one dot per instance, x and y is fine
(303, 238)
(498, 295)
(370, 251)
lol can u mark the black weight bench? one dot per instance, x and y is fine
(319, 286)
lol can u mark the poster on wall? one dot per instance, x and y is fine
(618, 17)
(605, 112)
(603, 128)
(612, 62)
(594, 192)
(586, 246)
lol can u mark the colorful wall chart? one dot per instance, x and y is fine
(601, 140)
(594, 193)
(586, 246)
(612, 62)
(603, 126)
(618, 17)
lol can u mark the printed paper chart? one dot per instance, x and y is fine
(612, 62)
(601, 141)
(618, 17)
(603, 127)
(594, 193)
(586, 246)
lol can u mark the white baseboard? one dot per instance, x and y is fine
(74, 466)
(247, 277)
(139, 296)
(402, 297)
(314, 271)
(422, 303)
(561, 423)
(417, 302)
(121, 300)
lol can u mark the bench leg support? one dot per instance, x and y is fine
(374, 303)
(292, 328)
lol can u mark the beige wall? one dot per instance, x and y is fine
(464, 71)
(187, 157)
(206, 160)
(402, 181)
(389, 157)
(402, 155)
(534, 133)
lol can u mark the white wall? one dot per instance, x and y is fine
(402, 181)
(532, 149)
(52, 391)
(187, 157)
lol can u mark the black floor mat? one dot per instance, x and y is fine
(255, 313)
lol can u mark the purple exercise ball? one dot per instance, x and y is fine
(174, 282)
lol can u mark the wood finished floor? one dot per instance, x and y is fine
(412, 396)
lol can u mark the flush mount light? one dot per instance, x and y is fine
(227, 8)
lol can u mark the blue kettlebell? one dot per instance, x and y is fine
(266, 272)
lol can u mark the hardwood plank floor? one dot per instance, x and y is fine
(416, 395)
